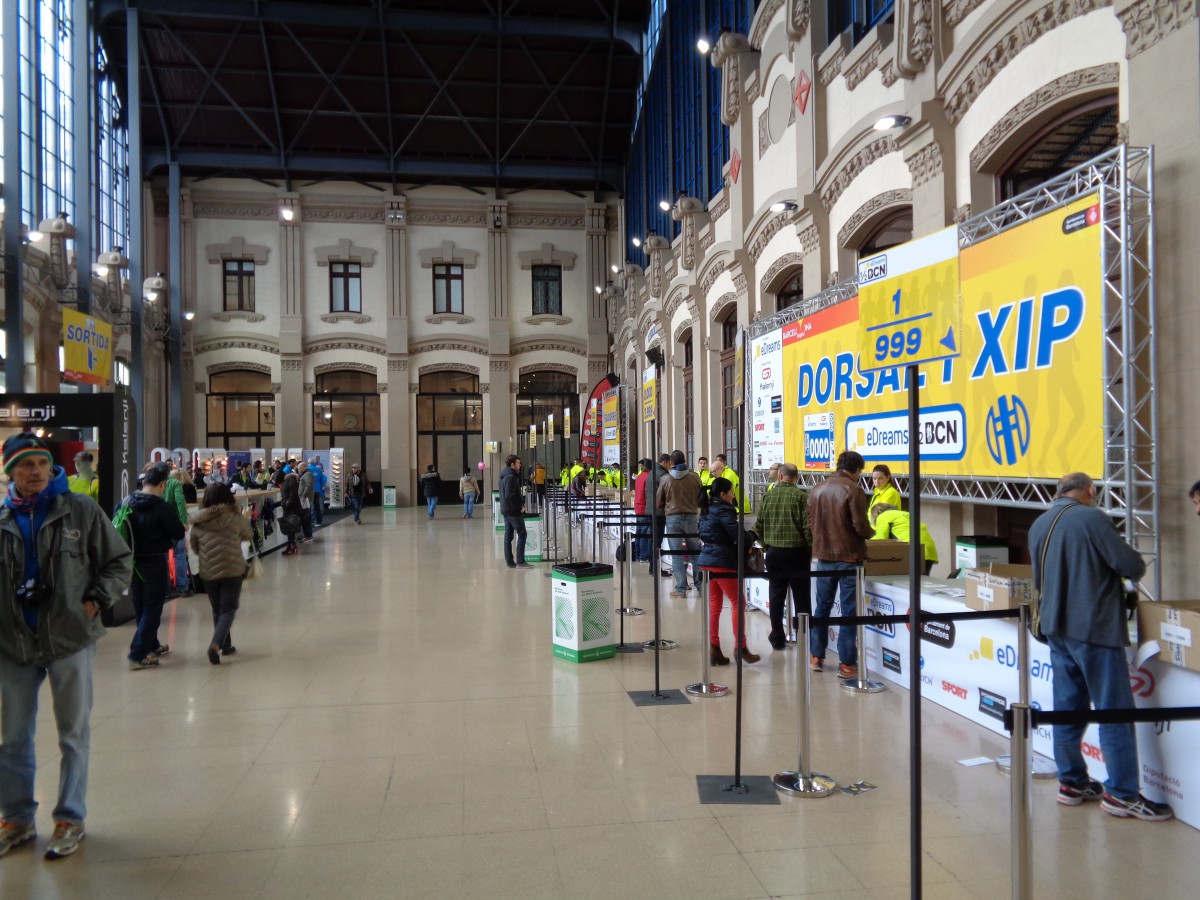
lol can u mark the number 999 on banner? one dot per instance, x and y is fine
(898, 345)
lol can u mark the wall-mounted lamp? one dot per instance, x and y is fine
(599, 290)
(497, 222)
(664, 205)
(615, 268)
(784, 206)
(34, 236)
(888, 122)
(152, 287)
(188, 316)
(637, 242)
(287, 213)
(703, 46)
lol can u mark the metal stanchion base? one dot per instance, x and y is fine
(815, 785)
(630, 611)
(712, 689)
(630, 648)
(1043, 766)
(659, 698)
(864, 686)
(754, 790)
(663, 644)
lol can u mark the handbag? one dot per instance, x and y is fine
(290, 524)
(254, 569)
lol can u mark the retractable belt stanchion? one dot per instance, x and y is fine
(803, 782)
(705, 687)
(623, 610)
(1022, 804)
(861, 684)
(1040, 766)
(660, 642)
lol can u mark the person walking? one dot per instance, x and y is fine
(431, 487)
(173, 494)
(357, 490)
(289, 503)
(678, 498)
(718, 556)
(218, 530)
(782, 527)
(468, 490)
(512, 507)
(155, 529)
(66, 564)
(837, 512)
(1079, 561)
(320, 480)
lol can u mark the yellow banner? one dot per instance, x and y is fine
(1025, 398)
(87, 349)
(612, 428)
(649, 396)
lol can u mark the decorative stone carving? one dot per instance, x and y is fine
(547, 256)
(331, 344)
(583, 387)
(962, 213)
(954, 11)
(547, 320)
(727, 56)
(231, 315)
(1148, 22)
(709, 276)
(237, 248)
(963, 89)
(414, 388)
(535, 345)
(1122, 132)
(707, 239)
(597, 365)
(485, 388)
(863, 67)
(785, 262)
(432, 345)
(326, 368)
(656, 247)
(447, 217)
(798, 14)
(739, 282)
(218, 368)
(448, 254)
(898, 197)
(456, 318)
(925, 165)
(381, 387)
(213, 344)
(533, 368)
(309, 387)
(565, 222)
(888, 73)
(720, 207)
(397, 365)
(345, 251)
(681, 329)
(688, 211)
(674, 301)
(447, 367)
(292, 365)
(810, 239)
(1106, 75)
(498, 365)
(200, 388)
(762, 22)
(764, 133)
(233, 211)
(832, 67)
(771, 226)
(914, 36)
(355, 318)
(832, 279)
(276, 387)
(351, 214)
(514, 388)
(723, 304)
(854, 167)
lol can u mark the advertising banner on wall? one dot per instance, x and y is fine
(611, 427)
(649, 396)
(589, 439)
(1024, 399)
(766, 407)
(87, 349)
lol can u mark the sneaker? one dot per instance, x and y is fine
(1141, 808)
(665, 573)
(229, 651)
(816, 664)
(849, 673)
(162, 650)
(213, 655)
(524, 566)
(147, 662)
(1074, 796)
(65, 840)
(14, 834)
(678, 595)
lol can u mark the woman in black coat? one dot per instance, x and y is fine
(718, 557)
(289, 503)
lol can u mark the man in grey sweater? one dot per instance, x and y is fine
(1079, 559)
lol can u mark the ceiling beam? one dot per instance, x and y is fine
(297, 12)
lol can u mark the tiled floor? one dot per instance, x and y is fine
(394, 725)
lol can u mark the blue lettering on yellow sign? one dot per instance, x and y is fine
(1061, 316)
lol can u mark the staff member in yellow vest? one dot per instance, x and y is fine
(706, 477)
(884, 488)
(895, 524)
(85, 480)
(720, 470)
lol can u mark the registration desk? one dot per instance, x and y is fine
(970, 667)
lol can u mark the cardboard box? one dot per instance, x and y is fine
(888, 558)
(973, 551)
(1176, 628)
(998, 586)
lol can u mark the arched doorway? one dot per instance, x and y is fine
(240, 410)
(541, 394)
(449, 427)
(345, 411)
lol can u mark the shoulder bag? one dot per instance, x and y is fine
(1035, 605)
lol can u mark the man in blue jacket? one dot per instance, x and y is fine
(1079, 559)
(512, 507)
(319, 482)
(64, 563)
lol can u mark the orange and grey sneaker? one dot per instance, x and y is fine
(14, 834)
(65, 839)
(848, 673)
(816, 663)
(1141, 808)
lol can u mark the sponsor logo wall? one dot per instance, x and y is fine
(766, 408)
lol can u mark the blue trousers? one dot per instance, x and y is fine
(818, 638)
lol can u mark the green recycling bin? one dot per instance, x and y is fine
(583, 612)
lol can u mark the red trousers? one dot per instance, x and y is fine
(718, 589)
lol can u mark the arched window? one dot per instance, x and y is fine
(450, 426)
(241, 409)
(896, 229)
(346, 414)
(540, 395)
(729, 417)
(1068, 141)
(689, 398)
(792, 292)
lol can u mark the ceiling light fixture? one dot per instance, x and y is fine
(893, 121)
(188, 316)
(637, 242)
(703, 46)
(664, 205)
(287, 214)
(784, 206)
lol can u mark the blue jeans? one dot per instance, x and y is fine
(681, 523)
(182, 581)
(818, 638)
(356, 506)
(318, 507)
(71, 693)
(514, 524)
(148, 591)
(469, 505)
(641, 540)
(431, 505)
(1089, 674)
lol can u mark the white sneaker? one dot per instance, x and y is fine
(65, 840)
(14, 834)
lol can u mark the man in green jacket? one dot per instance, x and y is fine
(782, 528)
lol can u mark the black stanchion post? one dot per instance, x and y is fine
(915, 570)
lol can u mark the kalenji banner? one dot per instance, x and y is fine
(589, 439)
(1024, 399)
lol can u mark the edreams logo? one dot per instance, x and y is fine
(881, 606)
(991, 704)
(1141, 681)
(872, 269)
(891, 660)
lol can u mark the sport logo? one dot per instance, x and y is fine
(959, 692)
(1008, 430)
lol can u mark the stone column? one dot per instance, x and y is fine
(292, 407)
(398, 420)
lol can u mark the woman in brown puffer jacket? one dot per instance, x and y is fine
(218, 530)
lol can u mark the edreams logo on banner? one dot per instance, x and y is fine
(872, 269)
(881, 606)
(942, 435)
(819, 449)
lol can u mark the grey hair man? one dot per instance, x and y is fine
(1079, 561)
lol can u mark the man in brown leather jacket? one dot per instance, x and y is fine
(837, 511)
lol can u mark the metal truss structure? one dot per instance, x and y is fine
(1127, 489)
